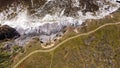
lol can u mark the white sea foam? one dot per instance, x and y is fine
(27, 23)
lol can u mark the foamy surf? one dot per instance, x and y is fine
(49, 24)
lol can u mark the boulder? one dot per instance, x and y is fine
(7, 32)
(118, 1)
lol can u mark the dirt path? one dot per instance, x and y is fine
(83, 34)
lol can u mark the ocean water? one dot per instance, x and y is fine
(46, 17)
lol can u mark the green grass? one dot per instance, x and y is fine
(33, 45)
(103, 51)
(6, 56)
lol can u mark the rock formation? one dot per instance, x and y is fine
(48, 17)
(7, 32)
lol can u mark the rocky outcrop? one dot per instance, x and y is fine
(7, 32)
(46, 29)
(28, 18)
(70, 7)
(46, 33)
(118, 1)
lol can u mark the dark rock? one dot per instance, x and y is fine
(42, 7)
(118, 1)
(7, 32)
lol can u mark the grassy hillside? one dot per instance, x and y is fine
(98, 50)
(7, 54)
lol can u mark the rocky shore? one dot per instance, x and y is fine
(48, 19)
(46, 33)
(7, 32)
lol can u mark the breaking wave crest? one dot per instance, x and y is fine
(51, 16)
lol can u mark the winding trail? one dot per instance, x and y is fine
(83, 34)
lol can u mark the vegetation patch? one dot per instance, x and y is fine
(97, 50)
